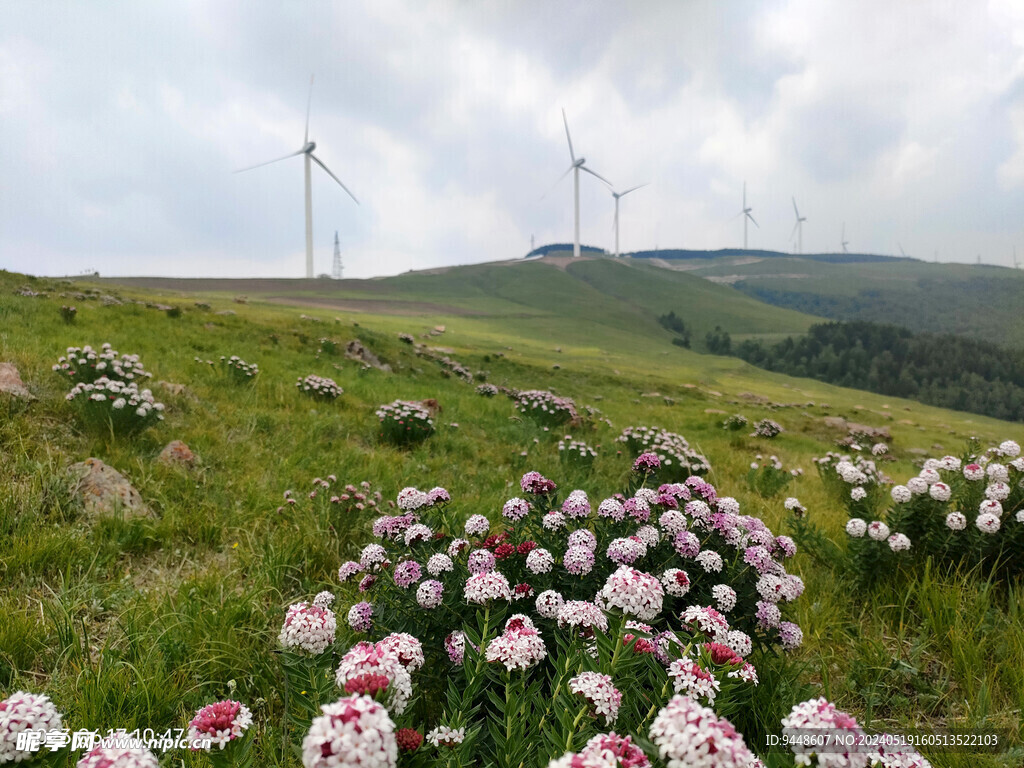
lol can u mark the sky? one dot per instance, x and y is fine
(122, 125)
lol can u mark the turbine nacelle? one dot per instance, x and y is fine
(310, 146)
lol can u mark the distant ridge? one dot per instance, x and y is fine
(555, 248)
(834, 258)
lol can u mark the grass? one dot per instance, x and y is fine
(131, 623)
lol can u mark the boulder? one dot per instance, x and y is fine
(177, 453)
(104, 490)
(355, 350)
(175, 389)
(11, 383)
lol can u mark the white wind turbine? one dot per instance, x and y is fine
(745, 212)
(578, 164)
(798, 228)
(307, 152)
(618, 195)
(842, 239)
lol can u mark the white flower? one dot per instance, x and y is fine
(308, 628)
(539, 561)
(991, 507)
(857, 493)
(940, 491)
(369, 659)
(548, 603)
(600, 691)
(1009, 448)
(477, 525)
(676, 582)
(997, 491)
(898, 542)
(690, 679)
(446, 737)
(725, 597)
(878, 530)
(740, 642)
(917, 486)
(691, 736)
(710, 561)
(353, 732)
(438, 564)
(23, 711)
(956, 521)
(517, 649)
(988, 523)
(633, 592)
(429, 594)
(481, 588)
(997, 472)
(901, 494)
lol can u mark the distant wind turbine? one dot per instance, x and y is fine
(578, 164)
(902, 252)
(842, 239)
(307, 152)
(618, 195)
(798, 228)
(745, 213)
(1015, 257)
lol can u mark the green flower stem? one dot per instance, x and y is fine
(575, 723)
(654, 706)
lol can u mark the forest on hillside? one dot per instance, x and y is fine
(938, 369)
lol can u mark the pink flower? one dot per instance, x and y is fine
(690, 735)
(600, 692)
(354, 732)
(221, 722)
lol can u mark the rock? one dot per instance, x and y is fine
(104, 490)
(917, 451)
(439, 328)
(432, 406)
(650, 394)
(11, 383)
(751, 397)
(714, 411)
(177, 452)
(836, 422)
(938, 447)
(225, 312)
(355, 350)
(174, 389)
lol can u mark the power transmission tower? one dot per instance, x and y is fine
(336, 272)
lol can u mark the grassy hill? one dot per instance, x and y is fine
(137, 623)
(972, 300)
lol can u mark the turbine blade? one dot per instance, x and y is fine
(275, 160)
(795, 209)
(752, 219)
(598, 175)
(316, 160)
(632, 189)
(557, 182)
(309, 103)
(567, 136)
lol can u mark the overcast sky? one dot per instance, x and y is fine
(121, 124)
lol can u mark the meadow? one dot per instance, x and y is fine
(139, 622)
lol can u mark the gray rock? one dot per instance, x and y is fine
(355, 350)
(177, 453)
(105, 491)
(11, 383)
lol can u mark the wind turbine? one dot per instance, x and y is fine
(843, 241)
(798, 228)
(1015, 257)
(307, 153)
(578, 164)
(745, 213)
(617, 195)
(902, 252)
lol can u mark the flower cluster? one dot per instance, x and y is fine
(353, 731)
(114, 403)
(308, 628)
(404, 422)
(735, 423)
(378, 668)
(600, 692)
(238, 369)
(85, 364)
(768, 477)
(519, 647)
(546, 408)
(965, 509)
(319, 387)
(854, 480)
(576, 453)
(676, 458)
(23, 711)
(67, 314)
(221, 722)
(766, 428)
(487, 390)
(111, 753)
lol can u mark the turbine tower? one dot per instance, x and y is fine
(842, 239)
(308, 156)
(745, 212)
(578, 164)
(618, 195)
(798, 228)
(337, 270)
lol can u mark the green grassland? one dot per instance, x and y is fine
(137, 623)
(972, 300)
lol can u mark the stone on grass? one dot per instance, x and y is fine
(11, 383)
(106, 491)
(177, 453)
